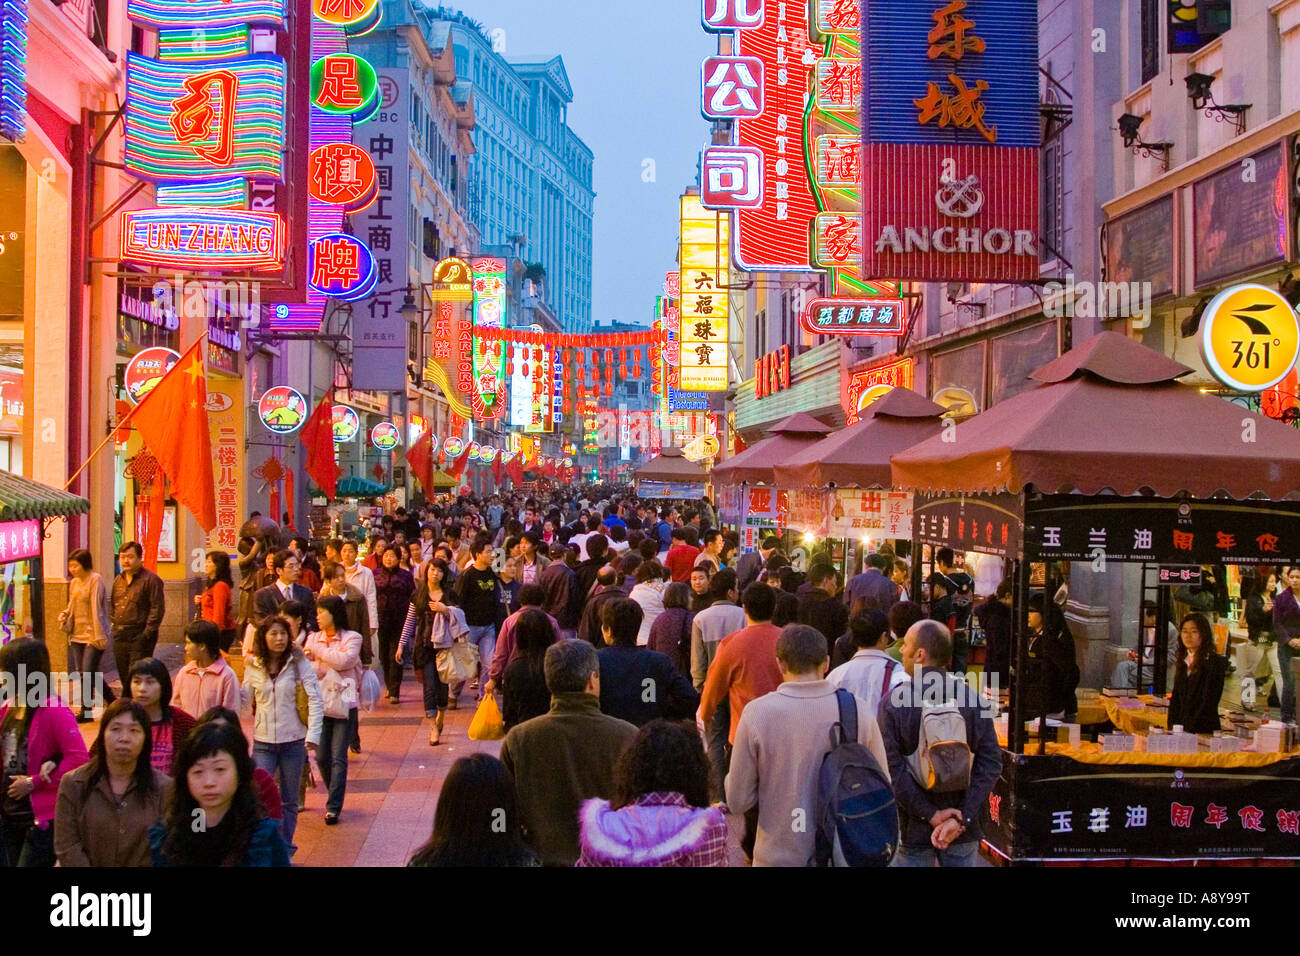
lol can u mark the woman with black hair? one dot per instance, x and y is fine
(1054, 669)
(106, 806)
(39, 743)
(87, 622)
(477, 821)
(335, 653)
(523, 683)
(214, 818)
(432, 625)
(660, 815)
(215, 603)
(1198, 678)
(150, 686)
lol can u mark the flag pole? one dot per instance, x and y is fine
(119, 426)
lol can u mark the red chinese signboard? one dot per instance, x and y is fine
(342, 174)
(868, 385)
(772, 372)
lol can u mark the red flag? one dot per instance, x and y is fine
(515, 469)
(457, 467)
(498, 469)
(173, 422)
(420, 457)
(318, 442)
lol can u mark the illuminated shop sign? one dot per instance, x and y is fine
(345, 84)
(342, 267)
(705, 274)
(489, 357)
(342, 174)
(853, 317)
(188, 14)
(346, 423)
(282, 409)
(205, 238)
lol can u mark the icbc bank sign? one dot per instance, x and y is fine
(951, 138)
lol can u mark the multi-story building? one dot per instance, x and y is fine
(531, 175)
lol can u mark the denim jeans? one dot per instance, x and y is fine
(28, 845)
(1285, 653)
(959, 854)
(285, 762)
(484, 636)
(335, 736)
(83, 666)
(716, 735)
(435, 691)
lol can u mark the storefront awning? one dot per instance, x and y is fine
(671, 465)
(1110, 416)
(443, 480)
(859, 455)
(22, 499)
(354, 486)
(756, 464)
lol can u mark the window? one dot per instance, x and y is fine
(1053, 201)
(1152, 17)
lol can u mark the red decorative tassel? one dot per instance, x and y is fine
(288, 494)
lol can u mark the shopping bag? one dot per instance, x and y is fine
(370, 690)
(487, 723)
(338, 694)
(458, 663)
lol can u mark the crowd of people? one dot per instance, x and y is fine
(650, 677)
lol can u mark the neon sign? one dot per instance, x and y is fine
(180, 118)
(213, 238)
(868, 385)
(853, 317)
(345, 84)
(342, 267)
(346, 13)
(13, 69)
(489, 357)
(342, 174)
(188, 14)
(705, 267)
(453, 281)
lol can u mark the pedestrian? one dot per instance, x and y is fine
(309, 576)
(281, 688)
(994, 617)
(719, 619)
(873, 583)
(106, 806)
(138, 607)
(597, 551)
(215, 787)
(608, 588)
(206, 680)
(565, 756)
(478, 592)
(671, 632)
(1286, 628)
(870, 673)
(394, 587)
(150, 686)
(523, 681)
(1053, 672)
(700, 579)
(477, 821)
(335, 653)
(649, 593)
(660, 814)
(937, 828)
(334, 581)
(535, 559)
(751, 563)
(39, 743)
(743, 669)
(1199, 677)
(268, 600)
(433, 624)
(531, 596)
(87, 621)
(713, 543)
(820, 606)
(681, 556)
(787, 606)
(361, 578)
(216, 603)
(637, 684)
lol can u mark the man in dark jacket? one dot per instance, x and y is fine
(565, 756)
(267, 601)
(138, 604)
(937, 828)
(557, 581)
(637, 684)
(873, 584)
(607, 590)
(751, 563)
(820, 607)
(585, 574)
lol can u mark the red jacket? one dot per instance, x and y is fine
(744, 669)
(679, 560)
(51, 735)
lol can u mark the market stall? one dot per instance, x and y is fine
(848, 479)
(672, 476)
(26, 508)
(1087, 467)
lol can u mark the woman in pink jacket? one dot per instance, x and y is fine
(335, 654)
(39, 743)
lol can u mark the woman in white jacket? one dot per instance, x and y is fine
(335, 653)
(649, 593)
(279, 683)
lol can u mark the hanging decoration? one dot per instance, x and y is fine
(272, 473)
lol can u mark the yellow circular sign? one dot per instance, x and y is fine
(1250, 337)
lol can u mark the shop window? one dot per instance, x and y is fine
(957, 380)
(1152, 18)
(1014, 356)
(1053, 201)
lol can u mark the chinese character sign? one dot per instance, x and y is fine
(732, 177)
(961, 76)
(705, 276)
(341, 266)
(733, 87)
(227, 429)
(853, 317)
(488, 397)
(866, 386)
(877, 515)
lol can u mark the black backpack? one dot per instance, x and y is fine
(857, 818)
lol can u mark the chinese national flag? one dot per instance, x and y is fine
(420, 457)
(173, 422)
(515, 469)
(498, 470)
(457, 467)
(318, 443)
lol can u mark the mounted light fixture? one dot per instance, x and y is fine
(1198, 89)
(1129, 128)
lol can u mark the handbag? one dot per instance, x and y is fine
(338, 694)
(457, 663)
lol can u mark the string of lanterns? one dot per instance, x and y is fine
(529, 349)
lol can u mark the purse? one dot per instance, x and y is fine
(301, 702)
(338, 694)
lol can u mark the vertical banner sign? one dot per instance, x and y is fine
(772, 236)
(226, 410)
(705, 275)
(951, 136)
(488, 397)
(379, 331)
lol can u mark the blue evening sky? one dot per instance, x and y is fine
(635, 70)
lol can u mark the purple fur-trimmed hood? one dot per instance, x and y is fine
(659, 829)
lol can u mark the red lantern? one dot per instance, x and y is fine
(537, 355)
(622, 356)
(622, 371)
(582, 358)
(566, 405)
(609, 356)
(566, 359)
(524, 370)
(609, 388)
(510, 364)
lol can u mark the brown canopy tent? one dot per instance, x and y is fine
(1111, 417)
(671, 465)
(1108, 461)
(859, 455)
(756, 463)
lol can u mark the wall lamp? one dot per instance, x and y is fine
(1129, 126)
(1198, 88)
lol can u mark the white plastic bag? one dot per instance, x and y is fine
(371, 688)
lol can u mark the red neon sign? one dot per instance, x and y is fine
(342, 174)
(195, 113)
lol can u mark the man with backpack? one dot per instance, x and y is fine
(780, 744)
(871, 673)
(943, 754)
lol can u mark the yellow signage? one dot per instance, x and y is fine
(705, 267)
(1250, 337)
